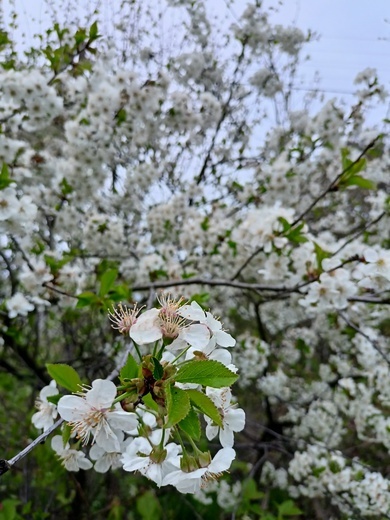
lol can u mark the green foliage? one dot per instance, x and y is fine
(130, 369)
(205, 405)
(65, 375)
(191, 425)
(206, 373)
(5, 179)
(351, 170)
(149, 507)
(178, 405)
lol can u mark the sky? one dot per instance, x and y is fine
(353, 35)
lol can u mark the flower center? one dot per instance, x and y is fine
(94, 420)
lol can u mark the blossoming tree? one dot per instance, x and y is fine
(156, 174)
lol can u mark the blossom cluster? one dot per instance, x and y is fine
(156, 169)
(143, 439)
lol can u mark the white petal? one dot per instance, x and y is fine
(107, 440)
(222, 460)
(72, 407)
(235, 419)
(370, 255)
(213, 323)
(102, 465)
(196, 335)
(47, 391)
(84, 463)
(57, 444)
(102, 394)
(224, 339)
(145, 329)
(122, 420)
(226, 437)
(192, 312)
(131, 463)
(96, 452)
(221, 355)
(211, 431)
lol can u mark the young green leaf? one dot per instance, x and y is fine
(205, 405)
(150, 403)
(65, 376)
(107, 280)
(191, 425)
(86, 298)
(178, 405)
(206, 373)
(129, 369)
(358, 180)
(54, 398)
(4, 177)
(66, 433)
(158, 370)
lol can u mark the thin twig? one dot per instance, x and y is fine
(6, 465)
(333, 184)
(364, 335)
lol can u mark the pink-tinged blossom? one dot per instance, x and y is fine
(93, 415)
(193, 481)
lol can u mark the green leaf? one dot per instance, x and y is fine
(288, 508)
(191, 425)
(205, 405)
(93, 31)
(178, 405)
(250, 491)
(149, 507)
(54, 398)
(121, 115)
(65, 376)
(129, 369)
(321, 254)
(158, 370)
(285, 224)
(4, 177)
(206, 373)
(150, 403)
(66, 433)
(358, 180)
(86, 298)
(107, 280)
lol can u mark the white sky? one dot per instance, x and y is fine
(353, 34)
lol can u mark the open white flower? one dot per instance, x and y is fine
(105, 460)
(47, 411)
(193, 481)
(93, 414)
(18, 305)
(168, 322)
(233, 419)
(154, 464)
(72, 460)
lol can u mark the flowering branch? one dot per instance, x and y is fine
(333, 184)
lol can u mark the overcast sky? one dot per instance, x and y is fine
(354, 34)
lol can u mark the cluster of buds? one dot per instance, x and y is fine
(151, 421)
